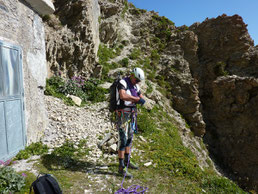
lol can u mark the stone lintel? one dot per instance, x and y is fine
(43, 7)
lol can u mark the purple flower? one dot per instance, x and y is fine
(24, 175)
(1, 162)
(7, 162)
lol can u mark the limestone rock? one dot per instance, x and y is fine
(73, 43)
(75, 99)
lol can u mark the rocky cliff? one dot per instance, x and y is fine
(227, 82)
(208, 70)
(73, 38)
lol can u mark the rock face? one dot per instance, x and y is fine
(73, 38)
(227, 82)
(233, 113)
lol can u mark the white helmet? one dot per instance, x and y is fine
(138, 73)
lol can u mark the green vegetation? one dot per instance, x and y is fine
(135, 54)
(219, 69)
(46, 18)
(69, 150)
(157, 43)
(173, 161)
(155, 57)
(105, 54)
(124, 62)
(126, 6)
(60, 163)
(149, 88)
(163, 27)
(10, 181)
(33, 149)
(87, 90)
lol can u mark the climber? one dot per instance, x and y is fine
(129, 96)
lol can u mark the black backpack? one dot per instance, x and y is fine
(46, 184)
(113, 92)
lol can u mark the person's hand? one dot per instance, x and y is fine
(141, 101)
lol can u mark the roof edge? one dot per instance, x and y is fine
(43, 7)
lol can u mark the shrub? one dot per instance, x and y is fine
(155, 57)
(125, 42)
(37, 148)
(105, 53)
(10, 181)
(135, 54)
(150, 88)
(87, 90)
(124, 62)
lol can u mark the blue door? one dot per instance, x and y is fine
(12, 127)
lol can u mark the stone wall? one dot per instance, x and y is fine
(21, 25)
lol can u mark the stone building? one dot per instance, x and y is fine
(23, 71)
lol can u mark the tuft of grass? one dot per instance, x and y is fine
(29, 179)
(37, 148)
(220, 69)
(125, 9)
(135, 54)
(155, 57)
(124, 62)
(149, 88)
(105, 53)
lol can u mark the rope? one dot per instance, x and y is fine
(134, 189)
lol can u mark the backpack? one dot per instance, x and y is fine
(45, 184)
(113, 95)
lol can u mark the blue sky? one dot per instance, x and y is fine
(186, 12)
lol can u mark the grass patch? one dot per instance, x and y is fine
(177, 164)
(37, 148)
(135, 54)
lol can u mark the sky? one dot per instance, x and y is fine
(187, 12)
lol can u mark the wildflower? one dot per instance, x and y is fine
(1, 162)
(7, 163)
(24, 175)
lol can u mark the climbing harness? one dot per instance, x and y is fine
(134, 189)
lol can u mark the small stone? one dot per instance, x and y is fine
(148, 164)
(103, 167)
(75, 99)
(142, 138)
(113, 148)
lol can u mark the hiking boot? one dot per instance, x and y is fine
(132, 165)
(125, 173)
